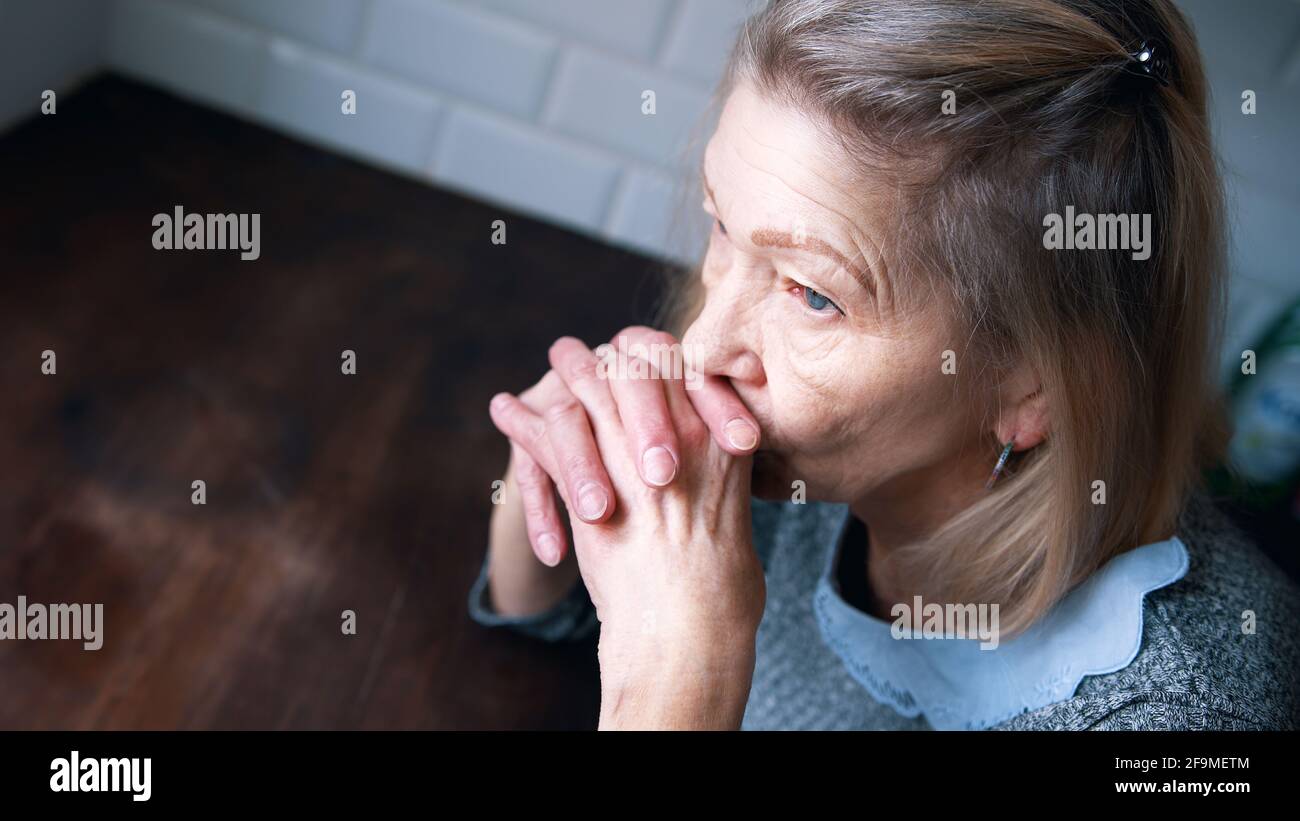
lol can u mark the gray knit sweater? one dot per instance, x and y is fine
(1195, 669)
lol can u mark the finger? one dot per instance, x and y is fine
(580, 461)
(541, 515)
(578, 367)
(691, 429)
(551, 390)
(570, 451)
(695, 435)
(574, 362)
(638, 392)
(548, 389)
(733, 427)
(523, 428)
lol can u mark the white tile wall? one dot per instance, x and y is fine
(329, 24)
(701, 37)
(461, 51)
(600, 98)
(200, 56)
(536, 104)
(394, 124)
(1252, 45)
(522, 166)
(631, 28)
(654, 212)
(46, 46)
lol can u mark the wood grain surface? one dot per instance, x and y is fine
(325, 492)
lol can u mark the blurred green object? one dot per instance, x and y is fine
(1263, 464)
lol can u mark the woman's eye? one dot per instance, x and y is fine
(721, 227)
(816, 301)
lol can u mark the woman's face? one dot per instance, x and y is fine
(844, 373)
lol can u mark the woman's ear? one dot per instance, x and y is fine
(1024, 413)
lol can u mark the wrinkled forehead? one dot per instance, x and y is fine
(770, 165)
(765, 147)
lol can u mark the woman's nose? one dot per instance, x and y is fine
(721, 341)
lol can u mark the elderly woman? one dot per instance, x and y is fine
(977, 441)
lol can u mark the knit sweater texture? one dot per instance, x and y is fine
(1197, 668)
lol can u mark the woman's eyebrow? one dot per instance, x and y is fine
(783, 239)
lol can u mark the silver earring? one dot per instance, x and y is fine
(1002, 462)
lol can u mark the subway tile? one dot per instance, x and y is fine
(479, 57)
(600, 99)
(522, 167)
(631, 28)
(701, 37)
(193, 54)
(657, 214)
(393, 126)
(330, 24)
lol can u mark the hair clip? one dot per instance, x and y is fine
(1149, 60)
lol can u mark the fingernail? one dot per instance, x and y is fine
(592, 501)
(658, 465)
(549, 547)
(741, 434)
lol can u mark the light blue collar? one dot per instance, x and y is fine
(1095, 629)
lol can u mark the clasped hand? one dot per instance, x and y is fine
(656, 483)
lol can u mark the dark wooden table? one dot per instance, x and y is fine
(325, 492)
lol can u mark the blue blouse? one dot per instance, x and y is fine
(957, 684)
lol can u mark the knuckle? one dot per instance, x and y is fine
(535, 438)
(694, 433)
(536, 508)
(655, 430)
(580, 467)
(582, 369)
(562, 410)
(530, 476)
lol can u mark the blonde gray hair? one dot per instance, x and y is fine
(1048, 115)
